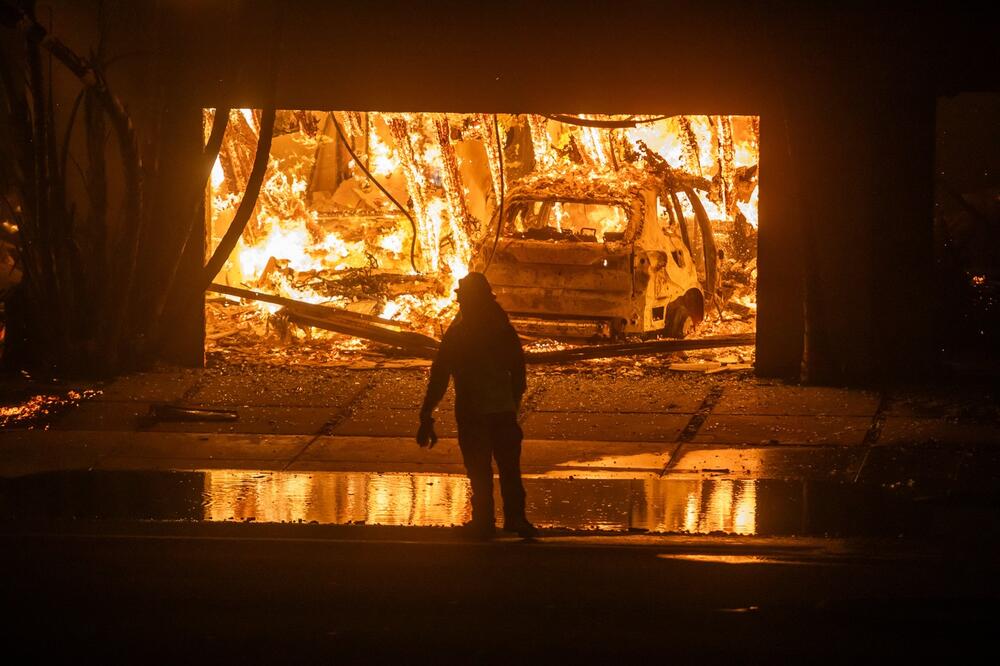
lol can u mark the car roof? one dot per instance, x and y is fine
(580, 183)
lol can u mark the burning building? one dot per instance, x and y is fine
(806, 139)
(589, 226)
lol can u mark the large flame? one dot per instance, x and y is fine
(320, 223)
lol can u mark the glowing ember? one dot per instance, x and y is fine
(37, 408)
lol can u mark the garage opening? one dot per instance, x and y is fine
(592, 229)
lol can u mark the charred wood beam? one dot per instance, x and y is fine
(727, 166)
(167, 412)
(489, 132)
(501, 193)
(414, 343)
(361, 165)
(740, 309)
(247, 204)
(690, 147)
(342, 321)
(649, 347)
(673, 179)
(451, 178)
(602, 124)
(375, 329)
(540, 142)
(308, 308)
(236, 157)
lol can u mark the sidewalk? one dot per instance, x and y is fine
(589, 423)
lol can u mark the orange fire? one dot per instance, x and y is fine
(322, 233)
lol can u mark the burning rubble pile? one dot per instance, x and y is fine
(375, 217)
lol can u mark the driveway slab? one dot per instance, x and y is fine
(150, 386)
(280, 387)
(259, 420)
(904, 430)
(394, 423)
(796, 400)
(576, 393)
(390, 453)
(102, 415)
(605, 427)
(782, 462)
(380, 450)
(193, 446)
(763, 430)
(590, 455)
(402, 391)
(131, 417)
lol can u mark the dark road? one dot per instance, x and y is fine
(279, 593)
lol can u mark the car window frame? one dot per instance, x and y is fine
(632, 212)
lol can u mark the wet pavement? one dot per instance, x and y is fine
(645, 402)
(557, 503)
(612, 448)
(692, 518)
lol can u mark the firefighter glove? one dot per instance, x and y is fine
(425, 434)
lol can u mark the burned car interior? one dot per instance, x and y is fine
(570, 220)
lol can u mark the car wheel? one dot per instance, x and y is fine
(680, 323)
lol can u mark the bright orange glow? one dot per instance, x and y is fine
(631, 500)
(700, 505)
(38, 407)
(323, 233)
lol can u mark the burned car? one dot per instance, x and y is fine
(599, 257)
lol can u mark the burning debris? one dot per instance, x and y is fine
(377, 215)
(39, 408)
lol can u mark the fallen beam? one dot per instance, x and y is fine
(342, 321)
(414, 343)
(312, 309)
(648, 347)
(387, 332)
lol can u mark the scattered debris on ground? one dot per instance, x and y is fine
(165, 412)
(246, 338)
(39, 409)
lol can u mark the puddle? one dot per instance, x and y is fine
(696, 506)
(735, 559)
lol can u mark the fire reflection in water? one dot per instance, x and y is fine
(655, 504)
(336, 497)
(703, 506)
